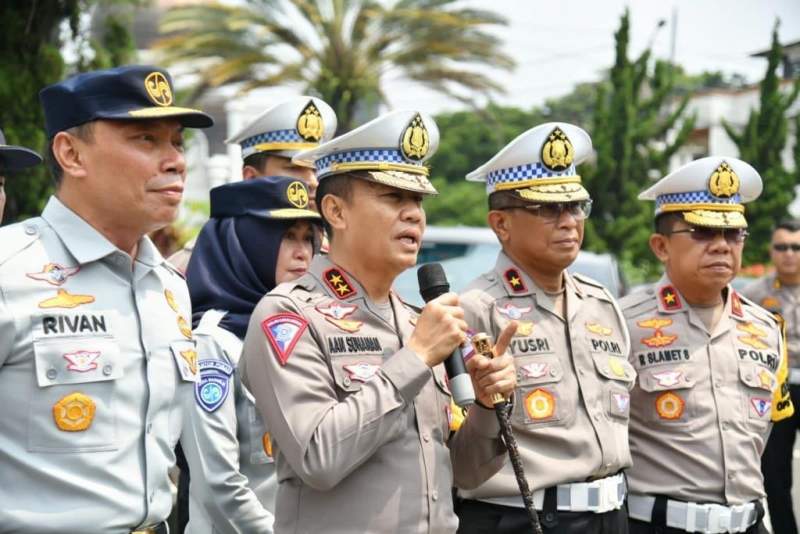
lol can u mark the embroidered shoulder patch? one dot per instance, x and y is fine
(338, 283)
(669, 298)
(736, 304)
(214, 385)
(514, 280)
(283, 331)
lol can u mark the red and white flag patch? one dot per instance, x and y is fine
(283, 331)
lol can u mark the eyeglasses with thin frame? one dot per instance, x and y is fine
(705, 235)
(783, 247)
(551, 211)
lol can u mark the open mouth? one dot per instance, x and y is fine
(410, 238)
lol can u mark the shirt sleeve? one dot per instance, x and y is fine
(211, 446)
(322, 437)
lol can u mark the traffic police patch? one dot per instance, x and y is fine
(54, 274)
(338, 283)
(214, 384)
(761, 405)
(283, 331)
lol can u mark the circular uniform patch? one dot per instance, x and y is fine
(540, 404)
(670, 406)
(74, 413)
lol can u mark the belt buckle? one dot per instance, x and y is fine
(718, 518)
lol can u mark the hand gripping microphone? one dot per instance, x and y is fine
(432, 283)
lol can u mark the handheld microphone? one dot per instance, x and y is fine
(432, 283)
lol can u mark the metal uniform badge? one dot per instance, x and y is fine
(723, 182)
(283, 331)
(158, 89)
(668, 379)
(297, 195)
(82, 361)
(361, 371)
(557, 152)
(534, 370)
(659, 338)
(415, 142)
(336, 314)
(74, 412)
(309, 123)
(65, 299)
(54, 274)
(170, 298)
(214, 385)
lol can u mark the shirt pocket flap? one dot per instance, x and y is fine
(614, 367)
(540, 369)
(76, 360)
(440, 377)
(756, 376)
(666, 378)
(349, 372)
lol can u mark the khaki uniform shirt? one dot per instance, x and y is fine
(180, 259)
(770, 294)
(570, 410)
(359, 423)
(95, 357)
(704, 401)
(232, 473)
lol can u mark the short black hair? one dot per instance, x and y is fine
(340, 185)
(500, 200)
(665, 222)
(84, 132)
(258, 160)
(792, 225)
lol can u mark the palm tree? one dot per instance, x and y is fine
(340, 50)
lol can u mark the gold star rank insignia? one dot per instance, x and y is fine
(514, 280)
(338, 283)
(669, 298)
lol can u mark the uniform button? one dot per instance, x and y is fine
(426, 437)
(580, 372)
(435, 495)
(730, 476)
(152, 497)
(718, 384)
(149, 427)
(107, 369)
(346, 381)
(51, 374)
(30, 229)
(597, 417)
(553, 372)
(724, 426)
(748, 377)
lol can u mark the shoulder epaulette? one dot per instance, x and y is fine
(17, 237)
(592, 287)
(758, 311)
(638, 298)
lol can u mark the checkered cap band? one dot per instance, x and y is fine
(524, 172)
(367, 155)
(275, 136)
(694, 197)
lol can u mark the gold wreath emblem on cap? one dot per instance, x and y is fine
(74, 413)
(724, 183)
(309, 123)
(557, 152)
(297, 194)
(415, 142)
(158, 88)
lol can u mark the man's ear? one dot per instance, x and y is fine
(334, 210)
(500, 222)
(659, 244)
(249, 172)
(67, 152)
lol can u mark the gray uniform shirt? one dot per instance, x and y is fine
(359, 423)
(232, 473)
(96, 356)
(770, 294)
(701, 410)
(570, 412)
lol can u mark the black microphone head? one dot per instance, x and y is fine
(432, 281)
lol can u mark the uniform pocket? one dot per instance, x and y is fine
(668, 393)
(74, 408)
(756, 384)
(620, 377)
(351, 372)
(539, 397)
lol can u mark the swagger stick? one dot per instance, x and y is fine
(483, 345)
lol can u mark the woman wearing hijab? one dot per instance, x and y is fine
(261, 233)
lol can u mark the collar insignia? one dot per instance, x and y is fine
(514, 280)
(669, 298)
(736, 304)
(338, 283)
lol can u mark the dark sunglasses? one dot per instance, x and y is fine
(704, 235)
(783, 247)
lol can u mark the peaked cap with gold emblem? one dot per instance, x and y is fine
(294, 124)
(131, 92)
(268, 197)
(708, 192)
(391, 149)
(539, 165)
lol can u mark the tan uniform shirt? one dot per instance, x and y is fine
(704, 400)
(359, 423)
(570, 412)
(96, 357)
(770, 294)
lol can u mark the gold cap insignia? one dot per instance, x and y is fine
(415, 142)
(297, 195)
(158, 88)
(724, 183)
(74, 413)
(309, 123)
(557, 152)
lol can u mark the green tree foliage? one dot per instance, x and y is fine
(760, 143)
(633, 114)
(341, 50)
(30, 52)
